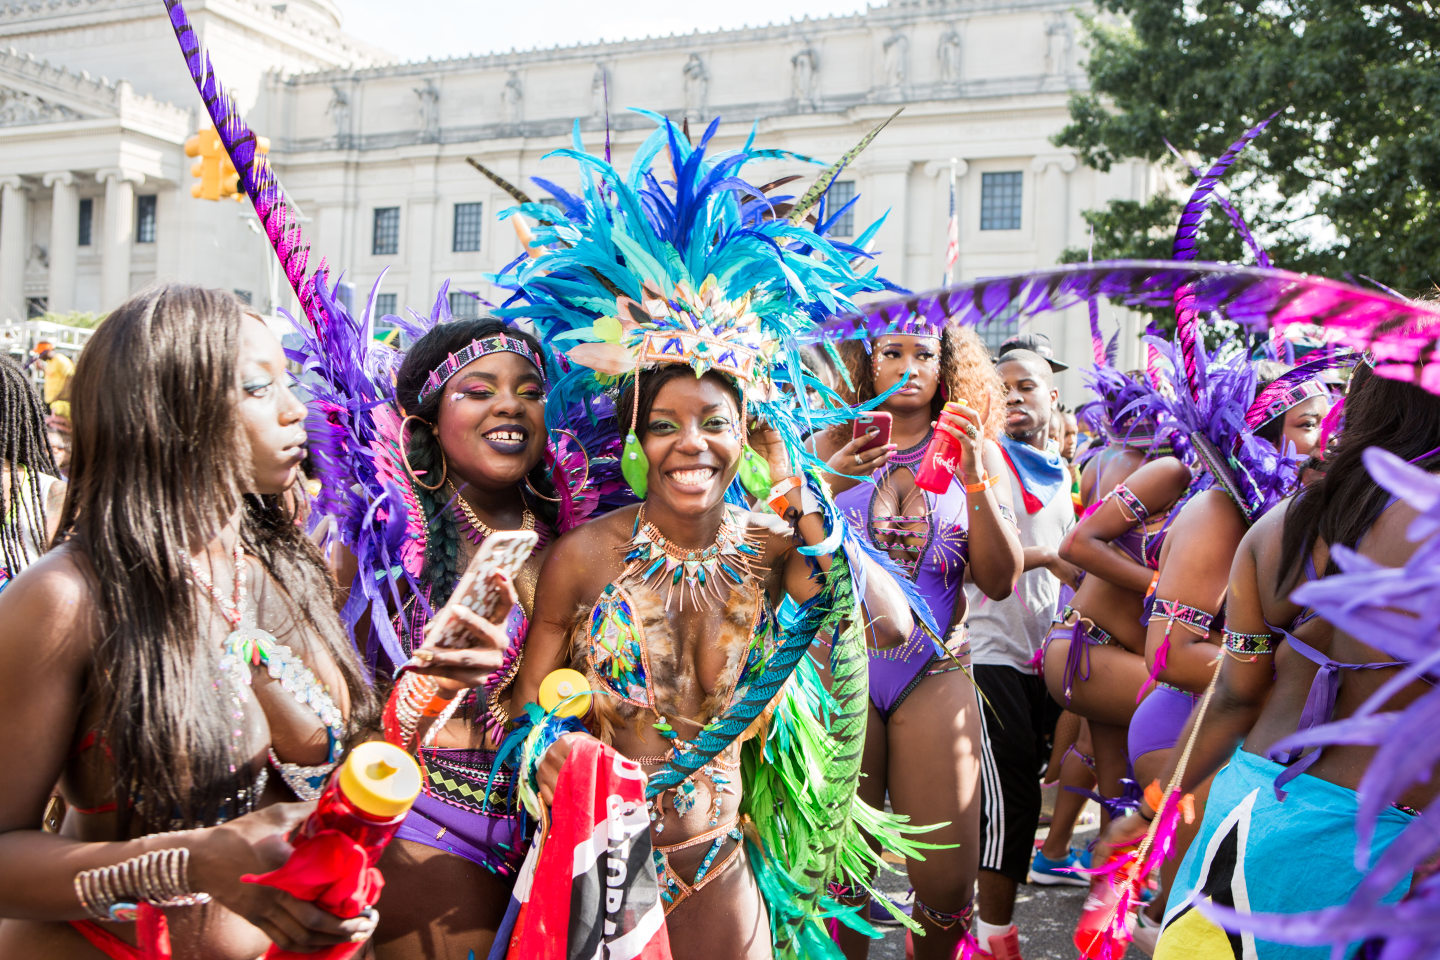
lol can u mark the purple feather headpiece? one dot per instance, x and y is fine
(1126, 409)
(474, 350)
(1212, 422)
(1292, 388)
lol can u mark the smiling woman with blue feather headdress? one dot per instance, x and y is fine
(679, 289)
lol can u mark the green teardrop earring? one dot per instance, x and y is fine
(754, 473)
(634, 465)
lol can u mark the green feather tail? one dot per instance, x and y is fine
(822, 183)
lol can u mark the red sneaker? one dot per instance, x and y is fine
(1004, 947)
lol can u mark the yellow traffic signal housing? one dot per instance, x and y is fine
(209, 168)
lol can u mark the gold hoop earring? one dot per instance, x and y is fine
(583, 479)
(405, 457)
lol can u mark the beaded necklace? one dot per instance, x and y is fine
(693, 576)
(247, 645)
(476, 529)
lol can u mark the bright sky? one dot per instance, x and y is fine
(450, 28)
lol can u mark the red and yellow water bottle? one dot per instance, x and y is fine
(942, 460)
(366, 801)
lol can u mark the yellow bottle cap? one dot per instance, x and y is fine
(558, 686)
(380, 779)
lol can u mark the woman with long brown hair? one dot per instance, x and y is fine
(923, 729)
(143, 656)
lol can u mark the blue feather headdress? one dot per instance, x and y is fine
(683, 261)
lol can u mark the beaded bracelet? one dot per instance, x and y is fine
(159, 878)
(1249, 644)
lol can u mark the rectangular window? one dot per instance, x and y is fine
(841, 192)
(385, 241)
(1000, 195)
(463, 306)
(469, 224)
(385, 304)
(145, 218)
(87, 214)
(999, 330)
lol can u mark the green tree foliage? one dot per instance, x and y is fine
(1346, 180)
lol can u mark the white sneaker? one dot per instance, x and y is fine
(1146, 933)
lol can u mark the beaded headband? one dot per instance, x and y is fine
(1268, 406)
(474, 350)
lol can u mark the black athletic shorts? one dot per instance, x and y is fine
(1018, 719)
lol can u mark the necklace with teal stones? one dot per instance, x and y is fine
(694, 577)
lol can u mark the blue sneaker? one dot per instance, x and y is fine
(1058, 873)
(881, 917)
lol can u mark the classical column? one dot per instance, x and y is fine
(116, 235)
(1052, 221)
(1052, 205)
(64, 239)
(14, 236)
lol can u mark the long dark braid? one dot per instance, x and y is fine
(442, 568)
(22, 444)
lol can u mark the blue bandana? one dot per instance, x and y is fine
(1042, 474)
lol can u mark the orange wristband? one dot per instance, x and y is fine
(778, 493)
(985, 483)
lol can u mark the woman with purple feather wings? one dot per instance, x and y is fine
(1286, 670)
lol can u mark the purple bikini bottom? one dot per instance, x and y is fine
(1159, 720)
(461, 812)
(897, 671)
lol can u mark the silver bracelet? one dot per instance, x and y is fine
(159, 878)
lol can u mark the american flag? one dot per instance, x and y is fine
(952, 236)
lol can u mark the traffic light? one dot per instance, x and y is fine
(208, 168)
(214, 169)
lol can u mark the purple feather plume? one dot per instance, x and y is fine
(1403, 336)
(1262, 258)
(1187, 312)
(256, 178)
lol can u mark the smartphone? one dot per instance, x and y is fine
(880, 422)
(505, 551)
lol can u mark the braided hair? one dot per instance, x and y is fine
(22, 444)
(442, 569)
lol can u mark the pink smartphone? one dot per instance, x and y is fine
(881, 422)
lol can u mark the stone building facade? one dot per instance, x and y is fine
(374, 151)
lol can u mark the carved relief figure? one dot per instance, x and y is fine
(429, 97)
(512, 98)
(804, 65)
(697, 87)
(897, 55)
(949, 56)
(339, 110)
(599, 84)
(17, 108)
(1059, 41)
